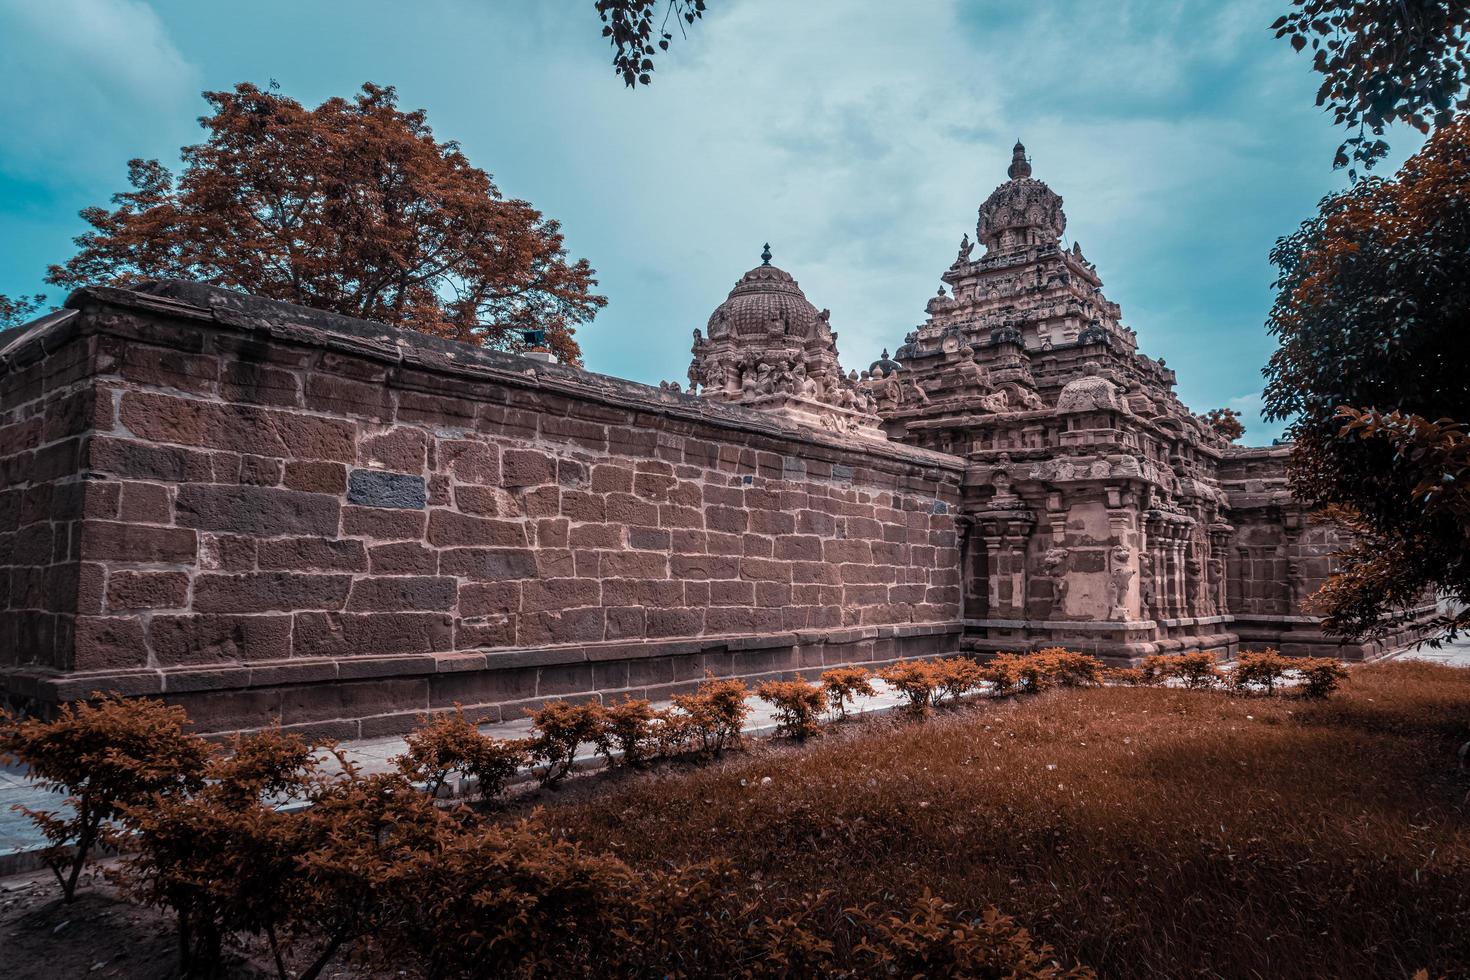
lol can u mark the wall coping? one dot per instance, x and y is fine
(225, 309)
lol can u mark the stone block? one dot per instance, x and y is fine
(109, 643)
(384, 490)
(449, 529)
(397, 593)
(147, 590)
(255, 510)
(330, 634)
(269, 592)
(383, 523)
(403, 558)
(203, 639)
(315, 477)
(312, 554)
(488, 564)
(106, 541)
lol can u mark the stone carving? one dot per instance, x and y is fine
(1054, 567)
(966, 247)
(1146, 586)
(1119, 575)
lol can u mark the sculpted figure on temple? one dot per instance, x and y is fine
(1054, 566)
(1194, 582)
(1119, 575)
(919, 394)
(966, 248)
(1216, 583)
(887, 390)
(1146, 586)
(748, 380)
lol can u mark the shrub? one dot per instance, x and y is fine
(106, 755)
(913, 679)
(1072, 669)
(449, 744)
(1028, 673)
(504, 901)
(1263, 669)
(1155, 670)
(1196, 670)
(672, 732)
(628, 732)
(1003, 673)
(933, 940)
(844, 685)
(224, 858)
(954, 677)
(1320, 675)
(798, 706)
(715, 713)
(1131, 676)
(560, 729)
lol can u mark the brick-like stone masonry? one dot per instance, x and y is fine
(263, 511)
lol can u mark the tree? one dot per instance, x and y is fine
(14, 312)
(106, 755)
(1383, 61)
(352, 207)
(1225, 421)
(628, 25)
(1371, 314)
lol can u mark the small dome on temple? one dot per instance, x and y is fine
(766, 300)
(1021, 212)
(1089, 393)
(885, 364)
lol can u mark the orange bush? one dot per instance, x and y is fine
(627, 731)
(1263, 669)
(914, 679)
(715, 713)
(798, 705)
(1320, 675)
(954, 677)
(1071, 669)
(106, 754)
(935, 940)
(448, 744)
(1131, 676)
(844, 685)
(1195, 670)
(560, 728)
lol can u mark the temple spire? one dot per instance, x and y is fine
(766, 254)
(1020, 165)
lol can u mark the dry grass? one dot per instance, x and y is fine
(1144, 832)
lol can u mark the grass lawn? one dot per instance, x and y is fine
(1143, 832)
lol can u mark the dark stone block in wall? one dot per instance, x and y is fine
(376, 488)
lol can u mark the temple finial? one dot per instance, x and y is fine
(1020, 165)
(766, 254)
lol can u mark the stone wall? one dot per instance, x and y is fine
(265, 512)
(1279, 554)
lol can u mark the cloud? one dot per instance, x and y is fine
(79, 83)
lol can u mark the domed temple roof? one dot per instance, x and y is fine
(769, 347)
(765, 296)
(1022, 211)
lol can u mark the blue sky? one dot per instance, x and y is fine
(858, 137)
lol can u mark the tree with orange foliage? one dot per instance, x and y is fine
(353, 207)
(1371, 316)
(1225, 421)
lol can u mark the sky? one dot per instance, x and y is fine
(858, 137)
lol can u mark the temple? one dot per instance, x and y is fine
(270, 513)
